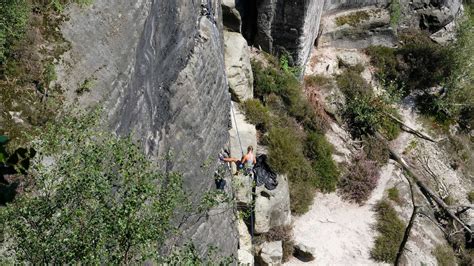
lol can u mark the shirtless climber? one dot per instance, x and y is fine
(247, 162)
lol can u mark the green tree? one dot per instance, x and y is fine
(92, 198)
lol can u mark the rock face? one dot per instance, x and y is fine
(158, 69)
(288, 26)
(431, 15)
(331, 5)
(271, 253)
(231, 16)
(238, 68)
(272, 207)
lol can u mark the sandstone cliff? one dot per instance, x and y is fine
(158, 69)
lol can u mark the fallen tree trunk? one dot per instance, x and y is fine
(424, 188)
(409, 129)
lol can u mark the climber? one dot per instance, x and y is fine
(247, 162)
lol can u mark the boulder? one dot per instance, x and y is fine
(231, 16)
(272, 207)
(304, 253)
(238, 68)
(245, 257)
(245, 240)
(271, 253)
(242, 185)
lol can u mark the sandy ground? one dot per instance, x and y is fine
(342, 233)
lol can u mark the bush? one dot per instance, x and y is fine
(394, 195)
(470, 196)
(319, 151)
(272, 80)
(360, 181)
(285, 152)
(292, 118)
(353, 19)
(317, 81)
(445, 255)
(365, 113)
(376, 150)
(14, 16)
(95, 199)
(351, 83)
(258, 114)
(390, 233)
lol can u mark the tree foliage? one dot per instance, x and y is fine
(92, 198)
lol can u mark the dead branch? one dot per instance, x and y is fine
(424, 188)
(406, 235)
(409, 129)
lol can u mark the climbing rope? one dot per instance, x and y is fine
(251, 180)
(236, 128)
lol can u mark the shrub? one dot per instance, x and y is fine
(394, 195)
(272, 80)
(390, 233)
(395, 12)
(319, 151)
(258, 114)
(351, 83)
(364, 112)
(301, 195)
(353, 19)
(470, 196)
(14, 16)
(376, 150)
(445, 255)
(361, 179)
(95, 199)
(317, 81)
(285, 152)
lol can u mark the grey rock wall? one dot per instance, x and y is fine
(288, 26)
(333, 5)
(158, 70)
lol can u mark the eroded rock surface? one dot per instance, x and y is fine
(158, 70)
(272, 207)
(271, 253)
(238, 68)
(288, 26)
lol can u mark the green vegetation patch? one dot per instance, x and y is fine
(293, 131)
(390, 233)
(98, 200)
(439, 74)
(394, 194)
(353, 19)
(364, 112)
(445, 255)
(470, 196)
(95, 198)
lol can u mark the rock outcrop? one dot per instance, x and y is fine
(288, 27)
(158, 70)
(238, 68)
(272, 207)
(271, 253)
(231, 16)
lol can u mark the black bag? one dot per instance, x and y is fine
(263, 173)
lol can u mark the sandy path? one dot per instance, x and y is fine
(341, 232)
